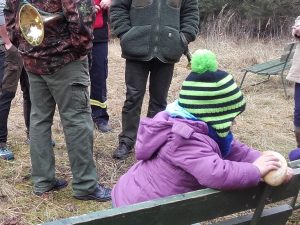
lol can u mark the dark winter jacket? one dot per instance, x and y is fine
(154, 28)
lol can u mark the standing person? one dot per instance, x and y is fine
(58, 74)
(99, 67)
(294, 75)
(190, 145)
(153, 36)
(11, 72)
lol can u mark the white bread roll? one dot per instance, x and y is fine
(276, 177)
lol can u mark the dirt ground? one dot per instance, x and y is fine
(266, 125)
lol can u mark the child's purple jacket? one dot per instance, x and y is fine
(177, 156)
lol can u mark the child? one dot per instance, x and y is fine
(294, 75)
(189, 146)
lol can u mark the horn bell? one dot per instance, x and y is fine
(31, 24)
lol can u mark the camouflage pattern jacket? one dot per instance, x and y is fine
(65, 40)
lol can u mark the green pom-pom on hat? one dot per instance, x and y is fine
(204, 60)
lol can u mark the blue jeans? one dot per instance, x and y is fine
(10, 73)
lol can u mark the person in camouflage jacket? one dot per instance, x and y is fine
(58, 75)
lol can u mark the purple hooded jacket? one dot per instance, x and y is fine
(177, 156)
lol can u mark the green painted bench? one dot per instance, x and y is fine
(273, 67)
(270, 206)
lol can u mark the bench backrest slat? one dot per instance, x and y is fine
(187, 208)
(288, 47)
(287, 56)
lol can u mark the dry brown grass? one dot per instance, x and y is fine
(266, 125)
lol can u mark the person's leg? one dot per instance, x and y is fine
(69, 87)
(4, 103)
(297, 108)
(160, 81)
(98, 74)
(41, 118)
(136, 75)
(295, 154)
(24, 82)
(10, 69)
(297, 113)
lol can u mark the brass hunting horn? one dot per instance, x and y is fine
(32, 22)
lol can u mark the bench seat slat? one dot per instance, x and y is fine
(274, 70)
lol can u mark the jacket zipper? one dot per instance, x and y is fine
(157, 28)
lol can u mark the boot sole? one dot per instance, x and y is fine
(89, 198)
(121, 157)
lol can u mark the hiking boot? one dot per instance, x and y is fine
(122, 151)
(58, 185)
(104, 127)
(101, 194)
(6, 153)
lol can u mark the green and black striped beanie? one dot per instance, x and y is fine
(211, 95)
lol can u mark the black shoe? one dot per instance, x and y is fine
(122, 151)
(103, 127)
(59, 184)
(101, 194)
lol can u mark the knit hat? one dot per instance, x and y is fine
(211, 95)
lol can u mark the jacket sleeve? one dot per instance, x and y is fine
(80, 16)
(242, 153)
(10, 13)
(201, 160)
(119, 16)
(189, 19)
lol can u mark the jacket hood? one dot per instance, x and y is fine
(154, 133)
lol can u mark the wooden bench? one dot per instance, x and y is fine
(203, 205)
(273, 67)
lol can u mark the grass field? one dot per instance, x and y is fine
(266, 125)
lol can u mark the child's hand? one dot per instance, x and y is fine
(266, 163)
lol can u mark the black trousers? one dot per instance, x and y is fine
(98, 74)
(136, 75)
(11, 71)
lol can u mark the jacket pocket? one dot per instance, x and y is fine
(80, 96)
(135, 43)
(141, 3)
(174, 3)
(171, 44)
